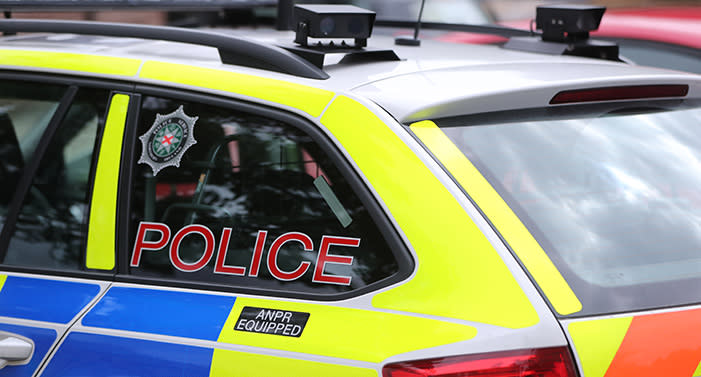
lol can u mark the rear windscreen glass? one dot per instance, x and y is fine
(612, 194)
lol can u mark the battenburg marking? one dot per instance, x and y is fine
(271, 321)
(165, 143)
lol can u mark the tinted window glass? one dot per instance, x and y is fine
(52, 224)
(612, 197)
(253, 203)
(25, 111)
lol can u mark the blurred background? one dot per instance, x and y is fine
(449, 11)
(658, 33)
(509, 10)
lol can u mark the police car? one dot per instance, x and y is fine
(266, 203)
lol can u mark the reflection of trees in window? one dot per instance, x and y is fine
(25, 111)
(52, 224)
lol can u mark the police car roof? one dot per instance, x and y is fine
(437, 79)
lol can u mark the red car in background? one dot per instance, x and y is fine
(667, 37)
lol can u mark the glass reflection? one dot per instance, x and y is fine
(249, 174)
(51, 228)
(614, 200)
(25, 111)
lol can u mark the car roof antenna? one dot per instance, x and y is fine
(403, 41)
(8, 15)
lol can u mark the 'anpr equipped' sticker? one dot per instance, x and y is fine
(271, 321)
(165, 143)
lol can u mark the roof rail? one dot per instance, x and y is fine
(232, 50)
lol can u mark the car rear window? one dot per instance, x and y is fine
(611, 193)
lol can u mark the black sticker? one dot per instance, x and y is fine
(271, 321)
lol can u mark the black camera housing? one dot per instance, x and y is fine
(571, 23)
(333, 21)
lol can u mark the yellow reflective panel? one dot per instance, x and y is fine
(697, 372)
(108, 65)
(226, 363)
(2, 280)
(308, 99)
(103, 207)
(353, 334)
(596, 342)
(459, 274)
(511, 228)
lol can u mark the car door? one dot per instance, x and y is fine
(56, 209)
(230, 214)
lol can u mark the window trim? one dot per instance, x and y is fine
(380, 218)
(93, 176)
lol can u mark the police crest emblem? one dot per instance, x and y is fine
(165, 143)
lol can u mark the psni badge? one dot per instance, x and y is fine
(165, 143)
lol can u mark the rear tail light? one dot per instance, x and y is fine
(620, 93)
(543, 362)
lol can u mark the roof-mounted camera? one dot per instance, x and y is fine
(333, 21)
(565, 31)
(570, 23)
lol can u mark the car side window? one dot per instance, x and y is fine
(25, 110)
(228, 197)
(51, 227)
